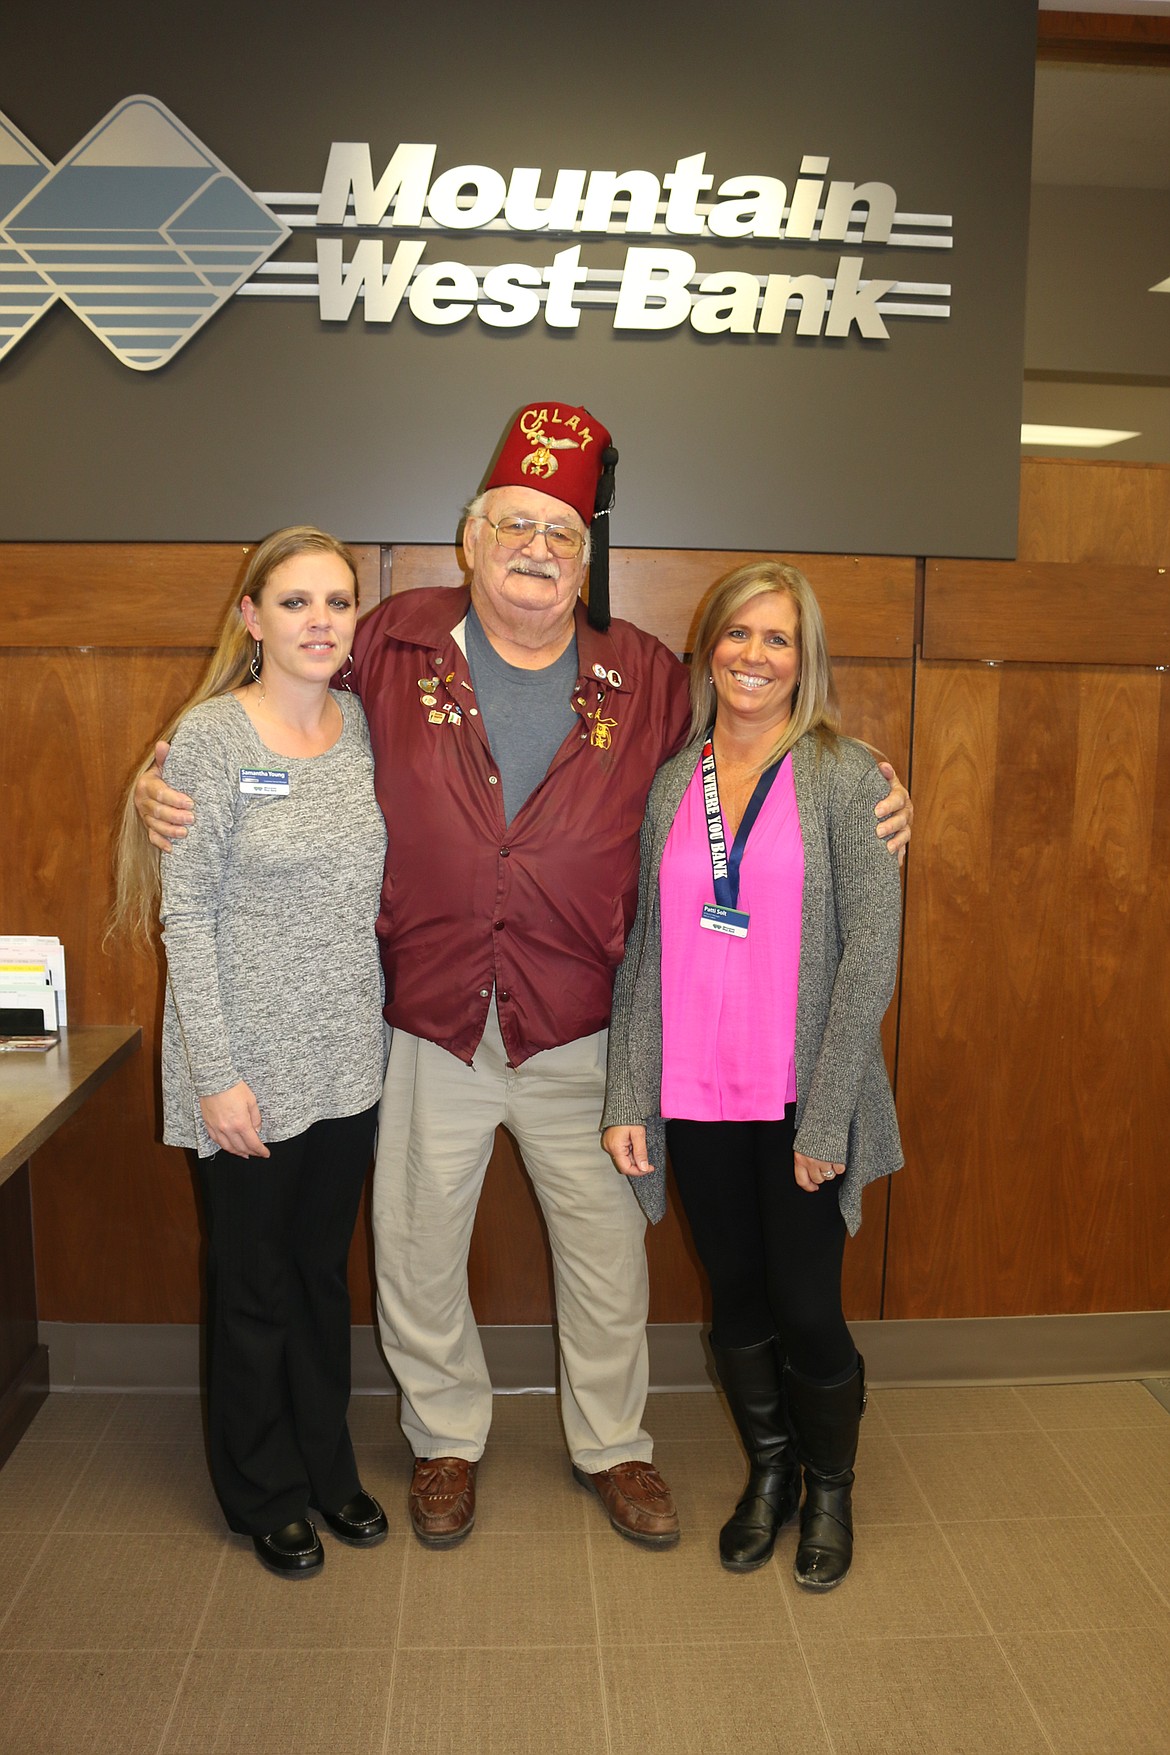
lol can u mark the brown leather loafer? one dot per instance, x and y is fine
(638, 1501)
(442, 1500)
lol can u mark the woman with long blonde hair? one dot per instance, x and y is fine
(745, 1036)
(273, 1048)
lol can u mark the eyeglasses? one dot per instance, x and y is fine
(563, 541)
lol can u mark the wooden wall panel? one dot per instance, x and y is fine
(1034, 1067)
(1114, 513)
(116, 1213)
(114, 1210)
(1047, 612)
(867, 601)
(1036, 982)
(136, 595)
(413, 566)
(1033, 1070)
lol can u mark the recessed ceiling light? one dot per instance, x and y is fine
(1091, 438)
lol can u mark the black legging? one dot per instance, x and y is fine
(772, 1251)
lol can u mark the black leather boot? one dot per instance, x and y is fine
(752, 1379)
(825, 1420)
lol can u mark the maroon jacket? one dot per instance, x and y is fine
(538, 909)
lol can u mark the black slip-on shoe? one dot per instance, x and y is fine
(292, 1552)
(361, 1521)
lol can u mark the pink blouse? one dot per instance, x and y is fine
(729, 1004)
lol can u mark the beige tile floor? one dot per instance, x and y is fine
(1010, 1596)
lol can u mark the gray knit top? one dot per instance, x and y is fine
(849, 926)
(268, 911)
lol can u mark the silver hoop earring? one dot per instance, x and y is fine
(254, 667)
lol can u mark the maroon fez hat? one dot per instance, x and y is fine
(567, 454)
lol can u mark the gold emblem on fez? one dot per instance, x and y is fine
(540, 461)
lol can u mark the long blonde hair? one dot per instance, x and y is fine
(814, 701)
(136, 867)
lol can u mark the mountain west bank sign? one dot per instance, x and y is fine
(145, 234)
(309, 273)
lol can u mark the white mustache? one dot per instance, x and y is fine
(535, 569)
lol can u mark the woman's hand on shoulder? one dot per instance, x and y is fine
(232, 1118)
(812, 1173)
(627, 1147)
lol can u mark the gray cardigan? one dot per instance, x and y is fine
(849, 925)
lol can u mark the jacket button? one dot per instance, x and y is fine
(505, 996)
(499, 926)
(485, 993)
(493, 780)
(504, 852)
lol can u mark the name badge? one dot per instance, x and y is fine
(264, 782)
(732, 921)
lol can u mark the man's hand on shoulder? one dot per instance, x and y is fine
(895, 814)
(165, 814)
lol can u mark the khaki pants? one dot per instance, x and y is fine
(436, 1128)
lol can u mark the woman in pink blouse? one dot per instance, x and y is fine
(746, 1036)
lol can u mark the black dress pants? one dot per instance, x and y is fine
(772, 1252)
(278, 1360)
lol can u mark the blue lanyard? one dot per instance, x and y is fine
(724, 866)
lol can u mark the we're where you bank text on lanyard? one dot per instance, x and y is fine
(722, 915)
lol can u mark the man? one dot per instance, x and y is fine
(515, 740)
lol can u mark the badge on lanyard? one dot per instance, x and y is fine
(729, 920)
(723, 915)
(264, 782)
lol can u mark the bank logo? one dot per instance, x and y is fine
(140, 230)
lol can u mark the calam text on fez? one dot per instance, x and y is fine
(656, 288)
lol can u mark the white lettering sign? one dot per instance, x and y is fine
(662, 283)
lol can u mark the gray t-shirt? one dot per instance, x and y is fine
(527, 713)
(268, 911)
